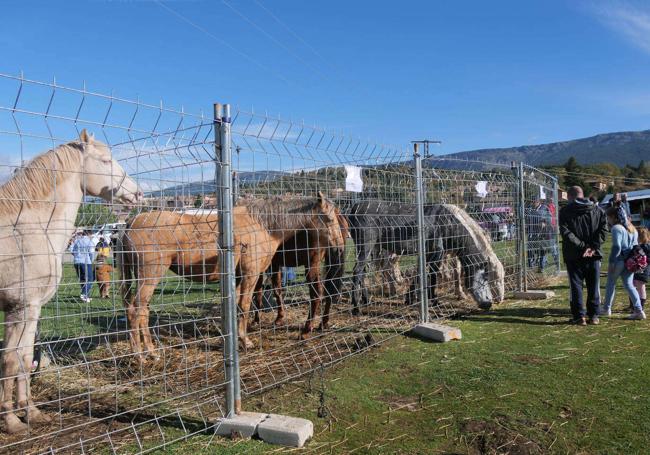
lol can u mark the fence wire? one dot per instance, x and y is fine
(90, 388)
(325, 251)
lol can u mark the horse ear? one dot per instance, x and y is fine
(85, 137)
(321, 198)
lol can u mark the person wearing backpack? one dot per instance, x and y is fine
(641, 277)
(624, 238)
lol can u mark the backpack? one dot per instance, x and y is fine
(636, 260)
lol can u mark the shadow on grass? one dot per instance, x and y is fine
(532, 316)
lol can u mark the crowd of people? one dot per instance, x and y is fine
(541, 222)
(91, 261)
(584, 226)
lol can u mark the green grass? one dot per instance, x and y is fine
(521, 381)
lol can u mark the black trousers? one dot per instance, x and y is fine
(580, 272)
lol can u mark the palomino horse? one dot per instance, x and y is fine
(187, 244)
(448, 230)
(38, 208)
(305, 249)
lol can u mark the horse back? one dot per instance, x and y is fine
(186, 244)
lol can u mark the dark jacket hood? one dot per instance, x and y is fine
(581, 205)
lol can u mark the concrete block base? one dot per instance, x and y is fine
(437, 332)
(533, 295)
(243, 425)
(285, 431)
(270, 428)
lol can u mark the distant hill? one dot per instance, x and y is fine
(622, 148)
(209, 186)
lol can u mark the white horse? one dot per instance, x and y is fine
(38, 208)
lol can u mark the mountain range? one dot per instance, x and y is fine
(628, 147)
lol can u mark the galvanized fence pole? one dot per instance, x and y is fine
(224, 181)
(422, 256)
(523, 238)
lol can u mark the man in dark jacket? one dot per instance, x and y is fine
(583, 226)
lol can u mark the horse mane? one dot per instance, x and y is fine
(481, 246)
(280, 213)
(481, 242)
(35, 181)
(343, 223)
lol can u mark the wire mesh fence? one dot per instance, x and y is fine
(64, 209)
(136, 261)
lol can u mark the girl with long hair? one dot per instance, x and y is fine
(624, 237)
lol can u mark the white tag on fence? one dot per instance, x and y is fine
(353, 181)
(542, 192)
(481, 188)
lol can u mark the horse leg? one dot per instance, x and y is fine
(278, 292)
(315, 292)
(145, 331)
(137, 306)
(460, 293)
(258, 300)
(26, 352)
(331, 291)
(134, 328)
(14, 327)
(137, 302)
(359, 292)
(246, 288)
(433, 261)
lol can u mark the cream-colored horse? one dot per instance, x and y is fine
(38, 208)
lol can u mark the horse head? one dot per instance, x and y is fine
(484, 274)
(103, 176)
(496, 275)
(328, 225)
(477, 281)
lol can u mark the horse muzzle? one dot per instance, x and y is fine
(485, 305)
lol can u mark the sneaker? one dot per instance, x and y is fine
(605, 312)
(637, 316)
(579, 321)
(594, 320)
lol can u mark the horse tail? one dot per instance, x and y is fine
(126, 264)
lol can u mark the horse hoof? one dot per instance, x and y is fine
(38, 417)
(279, 320)
(13, 425)
(304, 335)
(355, 312)
(246, 343)
(141, 359)
(324, 326)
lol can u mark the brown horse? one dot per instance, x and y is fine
(187, 244)
(304, 249)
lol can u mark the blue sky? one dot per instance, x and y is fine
(474, 74)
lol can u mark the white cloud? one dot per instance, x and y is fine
(630, 21)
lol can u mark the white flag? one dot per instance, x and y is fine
(353, 180)
(542, 192)
(481, 188)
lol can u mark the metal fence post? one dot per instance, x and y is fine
(224, 181)
(523, 238)
(422, 256)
